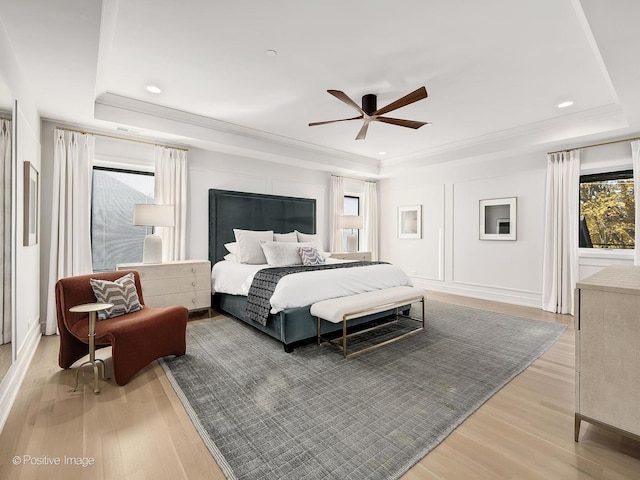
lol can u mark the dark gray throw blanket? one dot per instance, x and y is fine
(265, 281)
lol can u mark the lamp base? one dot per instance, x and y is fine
(152, 250)
(352, 242)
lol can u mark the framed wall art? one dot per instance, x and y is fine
(31, 188)
(410, 222)
(498, 219)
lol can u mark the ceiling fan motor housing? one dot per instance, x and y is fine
(369, 103)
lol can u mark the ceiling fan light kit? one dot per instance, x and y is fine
(369, 111)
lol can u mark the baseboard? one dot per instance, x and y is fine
(13, 379)
(513, 297)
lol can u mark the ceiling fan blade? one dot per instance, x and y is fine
(363, 131)
(414, 96)
(402, 123)
(333, 121)
(344, 98)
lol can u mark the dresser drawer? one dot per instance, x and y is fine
(173, 270)
(163, 286)
(192, 300)
(184, 282)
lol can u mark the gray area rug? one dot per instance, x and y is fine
(310, 414)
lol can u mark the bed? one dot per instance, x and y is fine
(290, 321)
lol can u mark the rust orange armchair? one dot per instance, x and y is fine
(136, 338)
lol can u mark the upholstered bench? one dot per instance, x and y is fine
(343, 309)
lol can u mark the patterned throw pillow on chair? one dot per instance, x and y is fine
(122, 293)
(311, 256)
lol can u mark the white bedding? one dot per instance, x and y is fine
(306, 288)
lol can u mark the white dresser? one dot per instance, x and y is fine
(183, 282)
(607, 308)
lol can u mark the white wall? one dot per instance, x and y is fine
(228, 172)
(450, 257)
(26, 331)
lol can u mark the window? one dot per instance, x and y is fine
(114, 238)
(351, 207)
(607, 210)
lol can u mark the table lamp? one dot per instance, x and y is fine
(153, 216)
(351, 222)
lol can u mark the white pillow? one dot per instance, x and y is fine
(307, 237)
(231, 247)
(248, 249)
(285, 237)
(230, 257)
(281, 254)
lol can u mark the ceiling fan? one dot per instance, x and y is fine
(370, 113)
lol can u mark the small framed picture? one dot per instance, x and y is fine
(410, 222)
(498, 218)
(31, 188)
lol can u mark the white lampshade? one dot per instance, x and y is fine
(351, 222)
(153, 216)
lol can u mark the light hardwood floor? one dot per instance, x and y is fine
(141, 431)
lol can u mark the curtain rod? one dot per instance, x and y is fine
(596, 145)
(352, 178)
(122, 138)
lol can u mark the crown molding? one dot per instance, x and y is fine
(212, 134)
(546, 134)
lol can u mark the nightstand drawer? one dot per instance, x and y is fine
(366, 256)
(173, 270)
(183, 282)
(192, 300)
(163, 286)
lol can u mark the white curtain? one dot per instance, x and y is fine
(171, 189)
(371, 228)
(5, 232)
(635, 154)
(336, 210)
(70, 213)
(560, 256)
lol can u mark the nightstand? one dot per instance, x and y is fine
(182, 282)
(366, 256)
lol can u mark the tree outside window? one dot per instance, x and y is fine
(607, 210)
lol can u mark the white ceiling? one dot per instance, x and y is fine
(495, 71)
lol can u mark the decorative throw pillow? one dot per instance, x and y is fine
(281, 254)
(230, 257)
(317, 245)
(311, 256)
(249, 249)
(121, 292)
(285, 237)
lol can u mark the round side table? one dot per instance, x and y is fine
(92, 309)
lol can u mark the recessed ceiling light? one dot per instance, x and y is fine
(271, 53)
(382, 153)
(566, 104)
(153, 88)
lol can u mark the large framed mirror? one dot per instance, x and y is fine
(498, 219)
(7, 244)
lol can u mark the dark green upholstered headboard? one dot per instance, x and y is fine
(254, 211)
